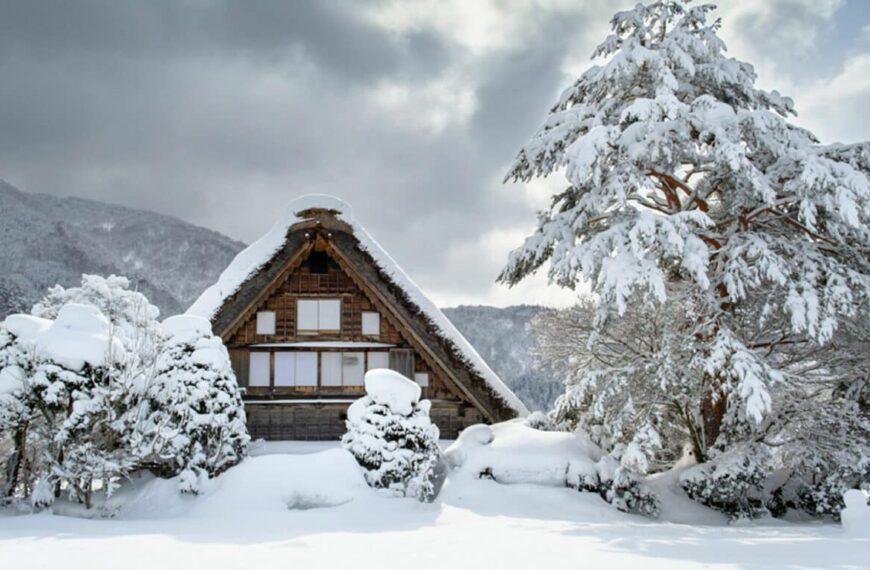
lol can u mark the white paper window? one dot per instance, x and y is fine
(258, 369)
(421, 378)
(352, 368)
(316, 315)
(306, 369)
(306, 315)
(285, 369)
(378, 360)
(330, 369)
(329, 314)
(266, 322)
(371, 324)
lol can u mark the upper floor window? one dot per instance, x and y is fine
(318, 262)
(318, 316)
(266, 322)
(371, 323)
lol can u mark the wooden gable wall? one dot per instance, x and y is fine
(301, 283)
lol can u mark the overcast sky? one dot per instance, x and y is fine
(221, 112)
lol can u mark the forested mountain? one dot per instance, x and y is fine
(504, 338)
(46, 240)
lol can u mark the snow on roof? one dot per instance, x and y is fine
(251, 259)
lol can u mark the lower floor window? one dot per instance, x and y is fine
(342, 368)
(300, 369)
(295, 369)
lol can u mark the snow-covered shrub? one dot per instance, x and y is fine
(732, 484)
(87, 398)
(391, 436)
(825, 495)
(541, 421)
(133, 317)
(191, 421)
(628, 494)
(14, 411)
(68, 383)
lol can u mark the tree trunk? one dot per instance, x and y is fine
(20, 443)
(712, 412)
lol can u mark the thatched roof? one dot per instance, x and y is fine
(258, 266)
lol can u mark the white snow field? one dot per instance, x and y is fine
(307, 506)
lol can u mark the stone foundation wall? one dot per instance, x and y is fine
(287, 421)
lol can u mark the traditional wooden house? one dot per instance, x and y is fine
(310, 307)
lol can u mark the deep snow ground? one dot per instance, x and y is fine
(244, 522)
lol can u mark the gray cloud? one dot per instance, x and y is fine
(220, 112)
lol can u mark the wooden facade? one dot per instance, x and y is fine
(302, 331)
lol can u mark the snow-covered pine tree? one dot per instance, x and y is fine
(191, 421)
(390, 434)
(15, 411)
(67, 380)
(683, 176)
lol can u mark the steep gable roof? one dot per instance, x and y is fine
(260, 264)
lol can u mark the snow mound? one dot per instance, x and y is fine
(856, 516)
(276, 483)
(251, 259)
(26, 327)
(185, 328)
(391, 389)
(79, 335)
(512, 452)
(11, 380)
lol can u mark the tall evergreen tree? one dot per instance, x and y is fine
(680, 170)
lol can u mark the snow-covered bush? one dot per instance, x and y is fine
(824, 496)
(391, 436)
(513, 452)
(541, 421)
(133, 317)
(191, 420)
(628, 494)
(87, 398)
(68, 383)
(732, 484)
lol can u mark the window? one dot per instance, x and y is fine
(318, 315)
(295, 369)
(378, 360)
(330, 369)
(259, 369)
(352, 368)
(371, 323)
(342, 368)
(421, 378)
(318, 263)
(266, 322)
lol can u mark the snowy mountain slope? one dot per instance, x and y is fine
(503, 337)
(46, 240)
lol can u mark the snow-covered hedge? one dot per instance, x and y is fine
(390, 434)
(92, 390)
(191, 418)
(513, 452)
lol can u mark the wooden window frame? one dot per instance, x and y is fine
(274, 323)
(320, 331)
(377, 316)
